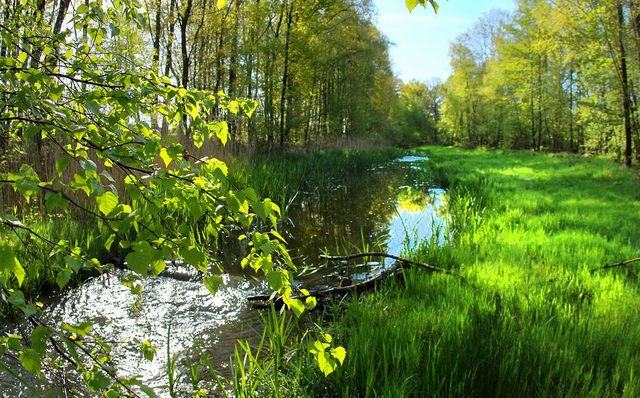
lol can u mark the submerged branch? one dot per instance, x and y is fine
(357, 287)
(391, 256)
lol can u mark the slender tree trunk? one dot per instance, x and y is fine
(285, 76)
(233, 76)
(625, 85)
(539, 145)
(184, 23)
(156, 37)
(37, 52)
(168, 63)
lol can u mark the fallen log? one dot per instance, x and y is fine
(395, 269)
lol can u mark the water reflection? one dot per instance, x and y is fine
(378, 210)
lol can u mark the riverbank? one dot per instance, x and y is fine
(531, 313)
(346, 186)
(526, 316)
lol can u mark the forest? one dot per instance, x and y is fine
(554, 75)
(203, 198)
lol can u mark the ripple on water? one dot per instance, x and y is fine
(176, 312)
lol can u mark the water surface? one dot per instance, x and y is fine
(391, 206)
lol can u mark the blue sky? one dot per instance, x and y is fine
(420, 40)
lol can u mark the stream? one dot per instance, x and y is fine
(393, 205)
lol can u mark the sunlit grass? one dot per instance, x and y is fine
(527, 316)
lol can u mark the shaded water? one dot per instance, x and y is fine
(377, 211)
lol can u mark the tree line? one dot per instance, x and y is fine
(559, 75)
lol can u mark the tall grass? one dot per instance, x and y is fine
(38, 257)
(528, 316)
(283, 177)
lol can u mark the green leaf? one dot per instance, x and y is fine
(198, 140)
(17, 298)
(26, 187)
(296, 306)
(326, 363)
(29, 310)
(107, 202)
(192, 110)
(339, 353)
(82, 329)
(63, 278)
(27, 181)
(148, 350)
(31, 360)
(411, 4)
(222, 131)
(310, 303)
(73, 262)
(249, 106)
(212, 283)
(54, 200)
(142, 256)
(164, 155)
(39, 337)
(276, 279)
(157, 267)
(109, 241)
(22, 57)
(9, 264)
(95, 380)
(194, 256)
(221, 4)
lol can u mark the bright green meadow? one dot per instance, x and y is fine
(529, 314)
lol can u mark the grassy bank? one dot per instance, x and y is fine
(528, 316)
(283, 177)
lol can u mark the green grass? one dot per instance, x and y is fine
(528, 318)
(285, 176)
(37, 257)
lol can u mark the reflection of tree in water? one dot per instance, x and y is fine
(362, 206)
(414, 199)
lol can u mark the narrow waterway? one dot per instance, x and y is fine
(392, 206)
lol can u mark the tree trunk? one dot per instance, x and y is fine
(184, 22)
(170, 38)
(285, 77)
(625, 85)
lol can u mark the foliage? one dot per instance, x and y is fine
(558, 76)
(417, 114)
(67, 91)
(411, 4)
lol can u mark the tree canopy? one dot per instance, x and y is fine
(559, 76)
